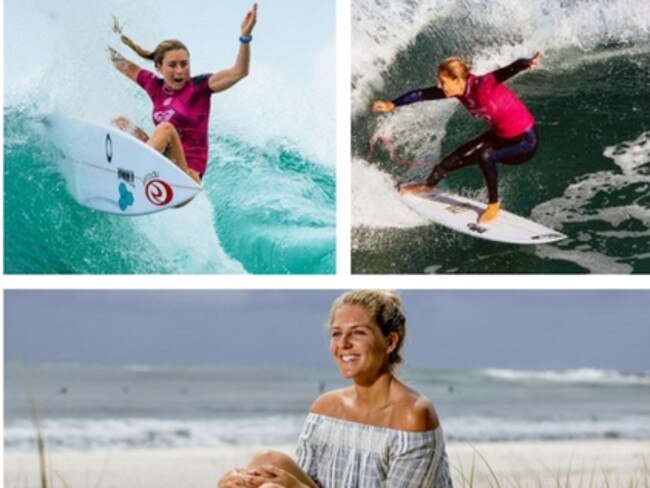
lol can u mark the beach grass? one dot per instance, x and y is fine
(481, 474)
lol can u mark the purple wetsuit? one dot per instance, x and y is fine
(188, 110)
(512, 138)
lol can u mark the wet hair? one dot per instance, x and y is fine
(454, 68)
(385, 310)
(158, 54)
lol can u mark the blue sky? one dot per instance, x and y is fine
(447, 329)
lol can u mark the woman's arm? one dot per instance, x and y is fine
(225, 79)
(518, 66)
(413, 96)
(123, 65)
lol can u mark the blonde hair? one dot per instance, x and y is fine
(454, 68)
(158, 54)
(385, 310)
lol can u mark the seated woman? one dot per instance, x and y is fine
(377, 432)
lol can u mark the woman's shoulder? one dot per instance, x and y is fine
(329, 403)
(413, 412)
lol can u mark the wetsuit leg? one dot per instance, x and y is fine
(466, 155)
(506, 151)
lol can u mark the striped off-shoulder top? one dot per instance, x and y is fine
(339, 453)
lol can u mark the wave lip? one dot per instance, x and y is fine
(581, 375)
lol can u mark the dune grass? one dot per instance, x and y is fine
(483, 475)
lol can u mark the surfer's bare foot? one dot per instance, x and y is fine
(127, 126)
(194, 175)
(415, 188)
(490, 213)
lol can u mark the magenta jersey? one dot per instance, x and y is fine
(188, 110)
(487, 99)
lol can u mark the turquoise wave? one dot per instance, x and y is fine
(264, 210)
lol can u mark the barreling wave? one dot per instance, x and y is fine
(263, 211)
(588, 95)
(269, 200)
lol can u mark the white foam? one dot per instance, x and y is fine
(380, 30)
(376, 202)
(273, 106)
(575, 206)
(134, 433)
(582, 375)
(186, 239)
(553, 426)
(149, 433)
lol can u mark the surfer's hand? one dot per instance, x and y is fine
(414, 188)
(383, 106)
(249, 21)
(534, 61)
(117, 28)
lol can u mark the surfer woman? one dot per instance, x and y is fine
(512, 138)
(181, 104)
(377, 432)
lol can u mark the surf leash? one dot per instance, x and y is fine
(389, 145)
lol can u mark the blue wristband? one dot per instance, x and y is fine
(245, 40)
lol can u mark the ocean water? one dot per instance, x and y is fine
(268, 205)
(85, 406)
(590, 96)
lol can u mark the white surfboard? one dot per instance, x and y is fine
(461, 214)
(109, 170)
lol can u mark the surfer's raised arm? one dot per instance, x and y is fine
(507, 72)
(123, 65)
(226, 78)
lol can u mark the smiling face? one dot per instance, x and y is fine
(358, 346)
(175, 69)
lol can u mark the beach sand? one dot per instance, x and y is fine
(612, 463)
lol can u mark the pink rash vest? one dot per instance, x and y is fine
(494, 102)
(188, 110)
(486, 97)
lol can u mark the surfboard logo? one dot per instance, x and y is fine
(476, 228)
(126, 197)
(108, 146)
(158, 192)
(459, 207)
